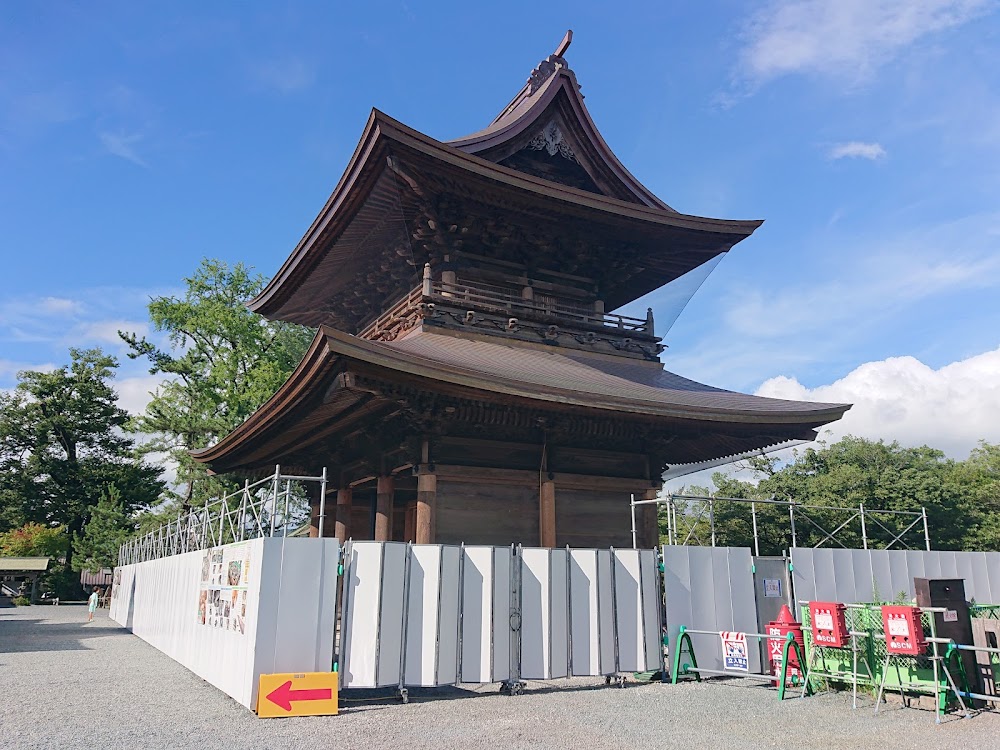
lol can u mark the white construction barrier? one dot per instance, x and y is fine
(710, 589)
(428, 615)
(637, 597)
(856, 575)
(485, 608)
(234, 612)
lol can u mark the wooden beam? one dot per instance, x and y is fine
(426, 505)
(524, 477)
(383, 508)
(345, 497)
(547, 514)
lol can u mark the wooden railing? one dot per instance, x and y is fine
(509, 303)
(499, 301)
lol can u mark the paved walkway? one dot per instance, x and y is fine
(66, 684)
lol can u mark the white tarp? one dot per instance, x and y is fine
(234, 612)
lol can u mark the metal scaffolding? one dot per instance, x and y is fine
(258, 509)
(694, 525)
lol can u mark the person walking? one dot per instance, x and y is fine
(95, 597)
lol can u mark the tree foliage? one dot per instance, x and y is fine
(962, 498)
(62, 442)
(108, 528)
(221, 363)
(33, 540)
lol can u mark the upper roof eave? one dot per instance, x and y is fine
(382, 129)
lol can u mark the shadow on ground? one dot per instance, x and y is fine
(19, 634)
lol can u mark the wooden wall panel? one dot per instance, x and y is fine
(500, 508)
(588, 518)
(481, 513)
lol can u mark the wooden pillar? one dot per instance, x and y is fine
(410, 523)
(547, 514)
(383, 509)
(648, 527)
(342, 530)
(426, 505)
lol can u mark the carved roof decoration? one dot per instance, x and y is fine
(551, 98)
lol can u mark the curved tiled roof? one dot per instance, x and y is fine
(585, 377)
(322, 386)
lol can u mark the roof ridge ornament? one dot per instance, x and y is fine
(551, 139)
(547, 67)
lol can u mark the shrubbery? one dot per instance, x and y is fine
(21, 601)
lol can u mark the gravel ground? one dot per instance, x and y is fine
(66, 684)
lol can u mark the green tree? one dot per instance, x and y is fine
(981, 475)
(108, 528)
(222, 363)
(962, 498)
(33, 540)
(62, 442)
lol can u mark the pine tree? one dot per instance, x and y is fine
(105, 532)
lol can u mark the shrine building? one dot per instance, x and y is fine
(470, 379)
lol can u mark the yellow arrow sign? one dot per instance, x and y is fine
(308, 694)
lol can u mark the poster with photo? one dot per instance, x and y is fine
(222, 596)
(116, 583)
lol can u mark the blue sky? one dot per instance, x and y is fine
(137, 139)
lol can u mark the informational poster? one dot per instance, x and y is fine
(116, 583)
(222, 597)
(734, 651)
(772, 587)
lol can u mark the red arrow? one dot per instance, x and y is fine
(283, 695)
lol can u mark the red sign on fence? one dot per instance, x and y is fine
(904, 632)
(829, 624)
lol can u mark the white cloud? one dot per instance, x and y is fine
(106, 331)
(93, 316)
(857, 150)
(284, 76)
(903, 399)
(873, 287)
(122, 145)
(847, 38)
(137, 391)
(58, 306)
(10, 368)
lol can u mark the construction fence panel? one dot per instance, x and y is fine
(710, 588)
(432, 616)
(636, 611)
(428, 615)
(850, 576)
(592, 613)
(485, 614)
(543, 614)
(234, 612)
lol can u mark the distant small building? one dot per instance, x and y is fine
(19, 572)
(101, 578)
